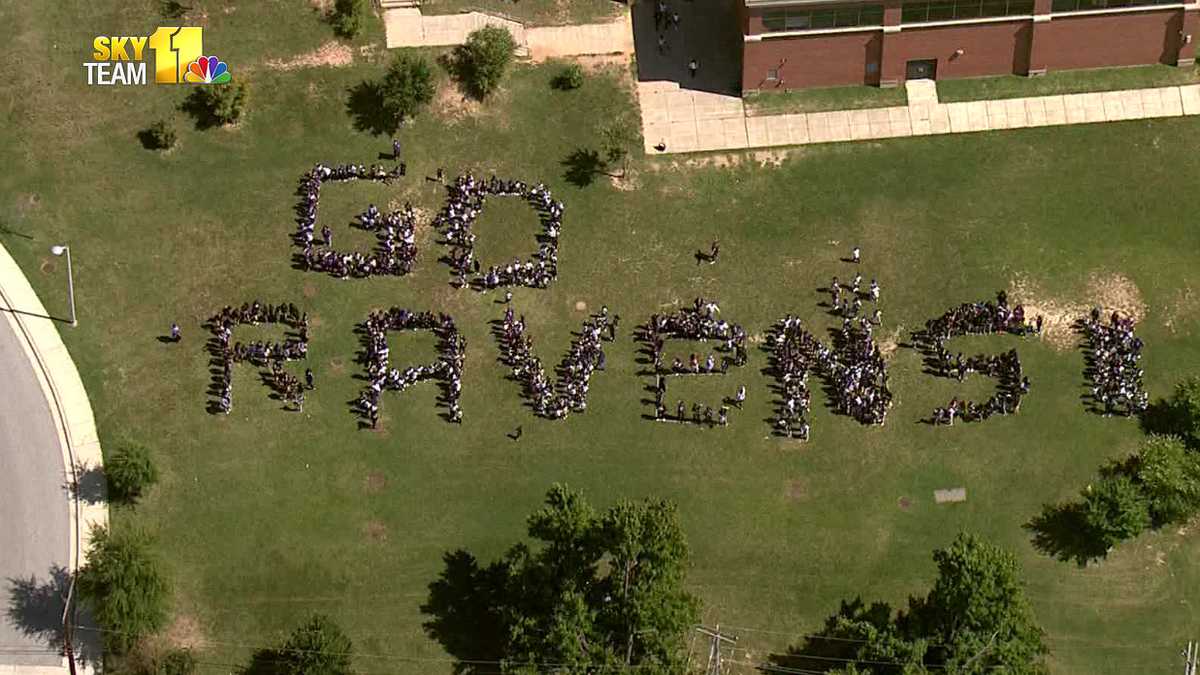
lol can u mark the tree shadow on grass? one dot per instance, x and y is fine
(463, 606)
(582, 167)
(364, 103)
(36, 609)
(196, 106)
(1161, 417)
(92, 487)
(1060, 531)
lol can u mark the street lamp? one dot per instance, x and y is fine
(61, 249)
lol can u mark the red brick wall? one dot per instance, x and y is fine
(989, 49)
(816, 61)
(1130, 39)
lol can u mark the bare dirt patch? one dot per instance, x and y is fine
(28, 201)
(316, 320)
(580, 306)
(332, 54)
(890, 342)
(1111, 292)
(185, 632)
(375, 531)
(374, 483)
(337, 366)
(322, 6)
(1183, 306)
(47, 266)
(451, 102)
(797, 489)
(904, 503)
(310, 289)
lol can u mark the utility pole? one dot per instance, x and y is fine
(714, 649)
(1191, 657)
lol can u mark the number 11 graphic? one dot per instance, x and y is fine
(174, 48)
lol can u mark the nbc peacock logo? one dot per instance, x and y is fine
(207, 70)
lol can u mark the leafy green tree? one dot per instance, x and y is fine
(348, 17)
(1114, 509)
(407, 86)
(217, 104)
(976, 618)
(123, 587)
(159, 136)
(618, 137)
(1169, 476)
(600, 591)
(481, 61)
(318, 647)
(129, 472)
(570, 77)
(1184, 409)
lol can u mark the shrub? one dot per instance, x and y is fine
(159, 136)
(1169, 476)
(319, 647)
(129, 472)
(480, 62)
(1114, 509)
(122, 586)
(407, 86)
(176, 662)
(217, 104)
(570, 77)
(348, 17)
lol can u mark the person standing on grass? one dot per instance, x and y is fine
(856, 255)
(327, 235)
(176, 334)
(693, 66)
(308, 378)
(395, 149)
(714, 252)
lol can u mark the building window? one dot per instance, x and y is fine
(1062, 6)
(834, 16)
(772, 75)
(953, 10)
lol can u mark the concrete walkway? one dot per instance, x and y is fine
(58, 392)
(407, 27)
(697, 121)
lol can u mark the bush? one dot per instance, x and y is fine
(1169, 477)
(129, 472)
(348, 17)
(123, 588)
(176, 662)
(407, 86)
(480, 62)
(217, 104)
(1185, 409)
(570, 77)
(319, 647)
(1114, 509)
(159, 136)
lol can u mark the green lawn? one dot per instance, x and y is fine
(532, 12)
(1064, 82)
(823, 99)
(264, 516)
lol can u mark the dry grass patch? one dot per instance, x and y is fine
(333, 54)
(1111, 292)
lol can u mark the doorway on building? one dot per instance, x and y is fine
(925, 69)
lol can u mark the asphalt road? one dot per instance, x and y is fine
(34, 518)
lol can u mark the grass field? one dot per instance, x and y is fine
(1065, 82)
(823, 99)
(264, 516)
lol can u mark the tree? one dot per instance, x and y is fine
(129, 472)
(348, 17)
(123, 587)
(570, 77)
(217, 104)
(481, 61)
(407, 86)
(159, 136)
(976, 617)
(618, 136)
(1169, 476)
(1184, 409)
(600, 591)
(318, 647)
(974, 621)
(1114, 509)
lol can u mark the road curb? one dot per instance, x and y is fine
(69, 406)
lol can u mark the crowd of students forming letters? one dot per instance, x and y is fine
(977, 318)
(698, 323)
(1112, 353)
(586, 355)
(447, 370)
(270, 355)
(465, 201)
(395, 252)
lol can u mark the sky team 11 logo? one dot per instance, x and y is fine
(178, 59)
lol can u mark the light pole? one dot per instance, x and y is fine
(61, 249)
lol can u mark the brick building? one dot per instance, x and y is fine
(790, 44)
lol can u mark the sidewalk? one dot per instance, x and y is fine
(697, 121)
(407, 27)
(68, 404)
